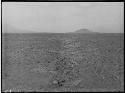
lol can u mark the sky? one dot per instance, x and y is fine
(61, 17)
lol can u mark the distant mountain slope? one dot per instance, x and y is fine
(7, 28)
(83, 31)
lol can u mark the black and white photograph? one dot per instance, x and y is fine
(62, 47)
(62, 0)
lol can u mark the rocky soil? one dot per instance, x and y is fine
(63, 62)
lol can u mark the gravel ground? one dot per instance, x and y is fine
(63, 62)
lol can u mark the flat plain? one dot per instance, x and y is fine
(53, 62)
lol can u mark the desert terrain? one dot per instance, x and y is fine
(55, 62)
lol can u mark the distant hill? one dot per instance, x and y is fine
(83, 31)
(7, 28)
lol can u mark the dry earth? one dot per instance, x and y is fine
(62, 62)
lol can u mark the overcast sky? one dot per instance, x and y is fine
(62, 16)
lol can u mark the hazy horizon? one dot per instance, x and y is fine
(62, 17)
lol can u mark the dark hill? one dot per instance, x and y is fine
(83, 31)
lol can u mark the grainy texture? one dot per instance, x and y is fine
(63, 62)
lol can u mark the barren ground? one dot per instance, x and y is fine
(62, 62)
